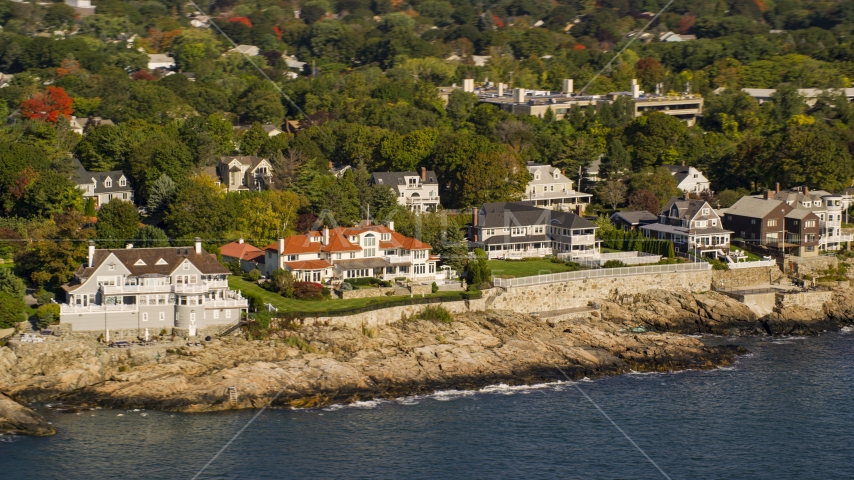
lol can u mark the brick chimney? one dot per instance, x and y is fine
(806, 190)
(768, 195)
(423, 174)
(474, 235)
(777, 186)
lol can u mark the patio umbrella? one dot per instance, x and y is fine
(146, 334)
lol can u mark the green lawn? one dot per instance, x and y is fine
(525, 268)
(751, 257)
(319, 306)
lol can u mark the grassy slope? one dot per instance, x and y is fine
(291, 304)
(525, 268)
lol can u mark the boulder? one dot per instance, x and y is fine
(18, 419)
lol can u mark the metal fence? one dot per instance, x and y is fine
(601, 273)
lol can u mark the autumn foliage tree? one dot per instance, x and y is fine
(48, 106)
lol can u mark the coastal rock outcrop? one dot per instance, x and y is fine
(18, 419)
(321, 364)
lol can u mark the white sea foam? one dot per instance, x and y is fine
(846, 329)
(362, 404)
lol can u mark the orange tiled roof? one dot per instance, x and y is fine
(237, 249)
(309, 265)
(339, 241)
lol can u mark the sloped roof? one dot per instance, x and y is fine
(339, 241)
(250, 160)
(507, 214)
(686, 208)
(151, 258)
(82, 176)
(636, 217)
(309, 265)
(391, 179)
(753, 207)
(237, 249)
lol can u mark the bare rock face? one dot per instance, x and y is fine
(339, 364)
(686, 313)
(18, 419)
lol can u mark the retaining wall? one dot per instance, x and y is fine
(385, 316)
(578, 293)
(809, 300)
(745, 277)
(811, 265)
(365, 292)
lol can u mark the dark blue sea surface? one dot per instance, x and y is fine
(786, 411)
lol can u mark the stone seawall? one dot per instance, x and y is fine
(745, 277)
(578, 293)
(365, 292)
(808, 300)
(389, 315)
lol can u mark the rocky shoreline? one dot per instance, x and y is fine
(321, 364)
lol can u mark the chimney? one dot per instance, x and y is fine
(423, 174)
(128, 246)
(568, 86)
(198, 245)
(391, 225)
(579, 209)
(240, 241)
(468, 85)
(806, 190)
(330, 165)
(281, 246)
(778, 187)
(500, 89)
(768, 194)
(635, 88)
(326, 235)
(683, 163)
(518, 95)
(91, 253)
(473, 216)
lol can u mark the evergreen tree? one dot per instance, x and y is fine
(162, 193)
(617, 162)
(453, 249)
(117, 224)
(150, 237)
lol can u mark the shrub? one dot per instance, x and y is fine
(613, 264)
(11, 310)
(11, 284)
(718, 264)
(346, 287)
(253, 275)
(44, 297)
(263, 319)
(434, 288)
(255, 301)
(308, 291)
(435, 313)
(472, 295)
(298, 342)
(326, 292)
(48, 314)
(478, 270)
(282, 282)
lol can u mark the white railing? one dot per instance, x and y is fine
(191, 288)
(65, 309)
(398, 259)
(114, 289)
(236, 303)
(601, 273)
(583, 239)
(527, 253)
(761, 263)
(422, 199)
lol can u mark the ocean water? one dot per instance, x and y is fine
(785, 411)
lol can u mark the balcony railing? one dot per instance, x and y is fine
(65, 309)
(180, 288)
(231, 303)
(398, 259)
(422, 200)
(576, 239)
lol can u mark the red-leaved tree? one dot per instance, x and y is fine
(48, 106)
(644, 200)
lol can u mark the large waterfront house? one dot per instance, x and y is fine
(766, 222)
(689, 179)
(418, 191)
(335, 254)
(103, 187)
(692, 225)
(828, 207)
(245, 172)
(522, 230)
(136, 288)
(550, 188)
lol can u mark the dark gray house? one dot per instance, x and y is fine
(104, 187)
(632, 220)
(417, 191)
(692, 225)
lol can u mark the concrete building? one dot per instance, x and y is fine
(810, 94)
(157, 288)
(519, 101)
(336, 254)
(418, 191)
(689, 179)
(523, 230)
(692, 226)
(104, 187)
(550, 188)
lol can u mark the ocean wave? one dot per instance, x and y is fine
(362, 404)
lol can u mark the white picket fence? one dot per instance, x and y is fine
(601, 273)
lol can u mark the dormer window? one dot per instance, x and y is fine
(122, 182)
(537, 176)
(557, 175)
(354, 239)
(386, 237)
(108, 183)
(705, 211)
